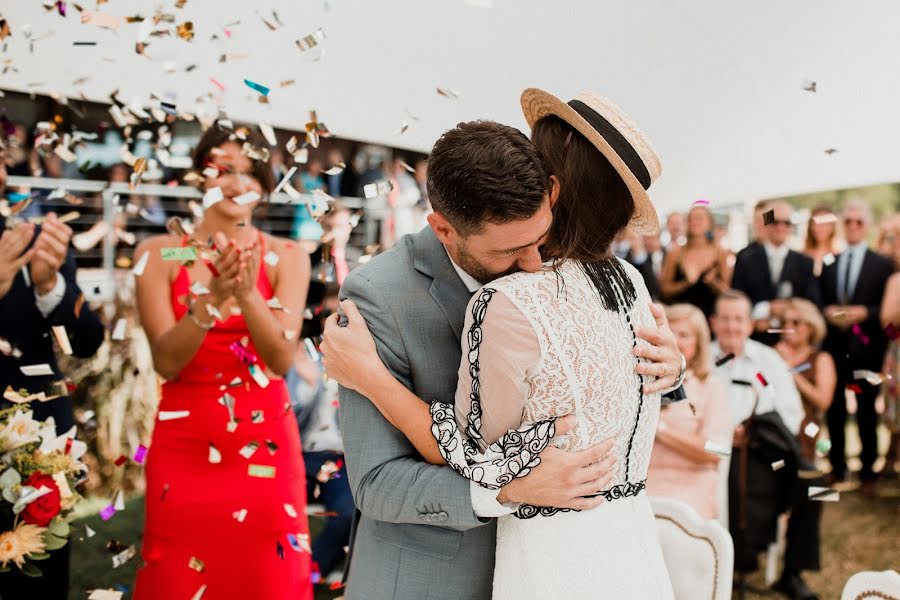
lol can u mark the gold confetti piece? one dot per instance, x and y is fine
(448, 93)
(290, 510)
(407, 167)
(809, 86)
(286, 83)
(262, 471)
(62, 338)
(830, 151)
(310, 41)
(196, 564)
(215, 457)
(118, 333)
(404, 125)
(255, 152)
(140, 167)
(186, 31)
(176, 226)
(240, 515)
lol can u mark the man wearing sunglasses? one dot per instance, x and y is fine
(770, 273)
(852, 289)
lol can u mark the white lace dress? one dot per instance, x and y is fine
(538, 346)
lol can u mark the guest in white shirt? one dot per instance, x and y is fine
(733, 326)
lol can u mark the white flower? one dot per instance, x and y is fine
(21, 429)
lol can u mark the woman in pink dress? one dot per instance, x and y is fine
(681, 466)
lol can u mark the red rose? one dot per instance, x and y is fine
(41, 511)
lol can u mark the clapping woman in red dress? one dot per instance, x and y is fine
(226, 505)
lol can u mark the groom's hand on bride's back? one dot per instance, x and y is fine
(563, 479)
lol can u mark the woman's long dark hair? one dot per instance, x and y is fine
(594, 205)
(214, 137)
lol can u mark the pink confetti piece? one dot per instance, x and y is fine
(140, 454)
(217, 83)
(107, 513)
(700, 203)
(858, 332)
(243, 354)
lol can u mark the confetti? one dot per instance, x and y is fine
(271, 258)
(63, 484)
(262, 471)
(380, 188)
(196, 564)
(822, 494)
(100, 19)
(36, 370)
(258, 376)
(257, 416)
(121, 460)
(118, 333)
(240, 515)
(62, 339)
(700, 203)
(279, 549)
(811, 430)
(275, 304)
(285, 180)
(823, 446)
(448, 93)
(290, 510)
(311, 40)
(198, 289)
(714, 448)
(825, 219)
(404, 125)
(272, 447)
(311, 352)
(249, 450)
(337, 169)
(809, 86)
(769, 217)
(171, 415)
(217, 83)
(182, 253)
(299, 542)
(268, 133)
(828, 259)
(105, 595)
(107, 513)
(257, 87)
(186, 31)
(215, 457)
(327, 471)
(778, 464)
(199, 594)
(761, 379)
(89, 532)
(871, 377)
(247, 198)
(138, 269)
(858, 332)
(176, 226)
(801, 368)
(140, 454)
(830, 151)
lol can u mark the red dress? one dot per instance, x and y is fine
(244, 518)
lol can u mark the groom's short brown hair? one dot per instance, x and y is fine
(482, 171)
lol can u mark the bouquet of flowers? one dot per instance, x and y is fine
(38, 473)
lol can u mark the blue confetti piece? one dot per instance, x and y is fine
(257, 87)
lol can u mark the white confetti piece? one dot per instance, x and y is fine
(823, 494)
(62, 338)
(36, 370)
(258, 376)
(778, 464)
(290, 510)
(198, 289)
(247, 198)
(285, 180)
(63, 484)
(811, 429)
(714, 448)
(123, 557)
(212, 196)
(105, 595)
(249, 450)
(268, 133)
(271, 258)
(171, 415)
(118, 333)
(89, 532)
(119, 503)
(215, 457)
(240, 515)
(138, 269)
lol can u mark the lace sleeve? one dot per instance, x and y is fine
(491, 392)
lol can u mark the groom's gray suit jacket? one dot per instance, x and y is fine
(416, 535)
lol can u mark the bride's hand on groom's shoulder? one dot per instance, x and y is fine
(662, 359)
(563, 479)
(348, 351)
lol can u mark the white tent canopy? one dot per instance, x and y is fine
(717, 86)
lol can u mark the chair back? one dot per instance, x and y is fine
(699, 554)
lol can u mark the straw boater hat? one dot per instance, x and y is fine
(615, 136)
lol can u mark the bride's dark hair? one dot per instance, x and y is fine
(594, 203)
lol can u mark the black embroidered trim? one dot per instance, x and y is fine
(623, 490)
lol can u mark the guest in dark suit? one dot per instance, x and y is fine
(853, 288)
(38, 291)
(770, 273)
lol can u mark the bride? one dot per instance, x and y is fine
(537, 346)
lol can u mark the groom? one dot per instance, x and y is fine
(423, 531)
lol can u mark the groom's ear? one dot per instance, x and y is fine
(442, 228)
(554, 189)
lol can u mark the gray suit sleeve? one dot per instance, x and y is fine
(389, 480)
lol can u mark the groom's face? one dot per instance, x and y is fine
(501, 249)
